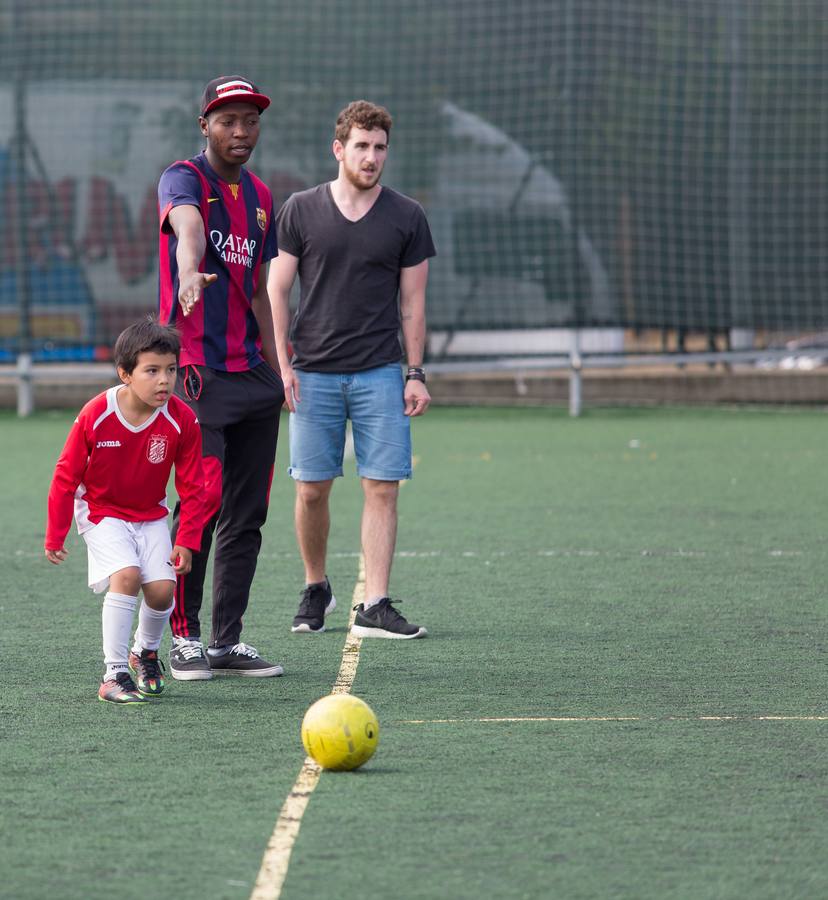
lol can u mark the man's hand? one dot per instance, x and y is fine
(291, 382)
(57, 556)
(191, 288)
(181, 559)
(416, 397)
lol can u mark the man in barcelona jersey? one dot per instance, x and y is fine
(217, 235)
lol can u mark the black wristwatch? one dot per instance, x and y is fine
(415, 373)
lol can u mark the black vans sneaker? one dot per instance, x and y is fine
(241, 659)
(317, 602)
(187, 660)
(383, 621)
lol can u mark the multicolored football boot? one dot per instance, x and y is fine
(120, 689)
(148, 671)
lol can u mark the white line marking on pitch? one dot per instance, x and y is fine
(616, 719)
(274, 868)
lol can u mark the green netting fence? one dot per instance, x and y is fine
(623, 164)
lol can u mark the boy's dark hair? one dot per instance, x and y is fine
(146, 336)
(362, 114)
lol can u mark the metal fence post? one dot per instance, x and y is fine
(575, 365)
(25, 385)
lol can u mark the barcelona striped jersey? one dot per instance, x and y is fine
(221, 332)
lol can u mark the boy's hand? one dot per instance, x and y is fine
(57, 556)
(181, 559)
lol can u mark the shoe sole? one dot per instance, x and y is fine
(195, 675)
(304, 628)
(272, 672)
(367, 632)
(122, 702)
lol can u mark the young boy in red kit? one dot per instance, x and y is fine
(112, 475)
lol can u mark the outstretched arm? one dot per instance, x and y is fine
(188, 226)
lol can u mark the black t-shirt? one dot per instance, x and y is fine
(348, 318)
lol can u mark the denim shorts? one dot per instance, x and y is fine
(373, 401)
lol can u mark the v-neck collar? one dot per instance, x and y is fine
(210, 171)
(122, 418)
(363, 217)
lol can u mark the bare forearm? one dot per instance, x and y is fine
(191, 243)
(280, 280)
(280, 306)
(412, 311)
(189, 254)
(412, 316)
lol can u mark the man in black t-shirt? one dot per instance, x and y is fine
(361, 251)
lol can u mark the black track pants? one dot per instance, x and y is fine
(239, 417)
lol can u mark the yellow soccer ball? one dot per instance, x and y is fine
(340, 732)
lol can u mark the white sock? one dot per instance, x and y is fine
(151, 625)
(116, 622)
(112, 671)
(373, 601)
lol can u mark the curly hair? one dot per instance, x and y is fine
(362, 114)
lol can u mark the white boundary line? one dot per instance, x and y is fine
(274, 867)
(616, 719)
(276, 859)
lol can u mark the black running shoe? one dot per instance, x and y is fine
(383, 621)
(188, 661)
(242, 660)
(149, 672)
(120, 689)
(317, 602)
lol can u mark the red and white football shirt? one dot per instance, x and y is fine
(111, 468)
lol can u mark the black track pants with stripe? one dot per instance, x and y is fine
(239, 417)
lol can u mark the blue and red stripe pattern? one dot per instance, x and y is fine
(221, 332)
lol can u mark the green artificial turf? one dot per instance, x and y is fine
(661, 565)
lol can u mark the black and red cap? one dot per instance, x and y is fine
(232, 89)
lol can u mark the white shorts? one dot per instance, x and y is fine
(114, 544)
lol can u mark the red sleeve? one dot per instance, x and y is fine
(69, 472)
(189, 484)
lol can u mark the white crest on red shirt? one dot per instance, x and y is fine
(157, 448)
